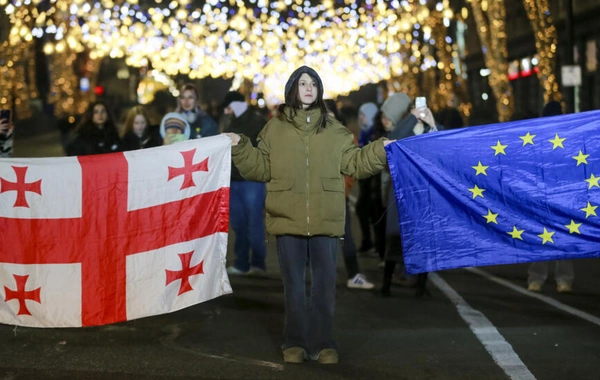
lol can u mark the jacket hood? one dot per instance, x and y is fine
(294, 78)
(178, 116)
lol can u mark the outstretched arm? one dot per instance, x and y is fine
(253, 163)
(364, 162)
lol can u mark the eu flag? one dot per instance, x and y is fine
(499, 194)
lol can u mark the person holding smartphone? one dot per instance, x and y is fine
(401, 120)
(6, 134)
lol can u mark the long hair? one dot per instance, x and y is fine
(87, 126)
(133, 112)
(187, 87)
(292, 100)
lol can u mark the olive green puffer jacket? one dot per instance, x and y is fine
(304, 170)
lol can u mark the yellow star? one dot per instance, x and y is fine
(546, 236)
(491, 217)
(593, 181)
(480, 169)
(477, 192)
(581, 158)
(516, 234)
(527, 139)
(589, 210)
(573, 227)
(499, 148)
(557, 141)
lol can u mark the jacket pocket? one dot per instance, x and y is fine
(280, 184)
(279, 201)
(333, 206)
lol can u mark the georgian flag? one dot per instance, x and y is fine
(101, 239)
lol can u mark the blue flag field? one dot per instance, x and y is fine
(499, 194)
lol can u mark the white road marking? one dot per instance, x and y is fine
(495, 344)
(175, 331)
(550, 301)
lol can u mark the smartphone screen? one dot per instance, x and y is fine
(421, 102)
(5, 115)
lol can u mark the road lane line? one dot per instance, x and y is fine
(495, 344)
(175, 331)
(550, 301)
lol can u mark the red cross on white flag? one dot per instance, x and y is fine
(101, 239)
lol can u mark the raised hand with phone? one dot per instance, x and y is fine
(423, 113)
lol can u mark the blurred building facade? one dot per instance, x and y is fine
(528, 93)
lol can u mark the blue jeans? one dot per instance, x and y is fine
(247, 202)
(308, 325)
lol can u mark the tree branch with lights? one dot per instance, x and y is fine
(545, 43)
(490, 18)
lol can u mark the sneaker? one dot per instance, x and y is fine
(534, 287)
(294, 355)
(359, 282)
(328, 356)
(564, 288)
(236, 272)
(256, 271)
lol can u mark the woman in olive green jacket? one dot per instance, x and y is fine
(303, 155)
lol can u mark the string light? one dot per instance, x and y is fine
(545, 34)
(15, 85)
(493, 44)
(349, 45)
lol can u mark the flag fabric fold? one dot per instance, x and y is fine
(94, 240)
(499, 194)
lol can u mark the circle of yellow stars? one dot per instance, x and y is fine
(528, 139)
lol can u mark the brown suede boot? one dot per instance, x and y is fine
(293, 355)
(328, 356)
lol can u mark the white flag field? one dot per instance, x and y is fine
(101, 239)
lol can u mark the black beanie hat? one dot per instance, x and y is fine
(232, 96)
(296, 75)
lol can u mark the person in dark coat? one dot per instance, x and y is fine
(356, 280)
(95, 134)
(247, 198)
(400, 121)
(138, 132)
(188, 106)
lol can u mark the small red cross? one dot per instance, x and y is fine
(188, 169)
(21, 186)
(185, 273)
(21, 294)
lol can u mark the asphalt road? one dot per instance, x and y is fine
(478, 324)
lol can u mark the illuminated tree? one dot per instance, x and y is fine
(545, 44)
(490, 18)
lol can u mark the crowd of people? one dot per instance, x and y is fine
(290, 178)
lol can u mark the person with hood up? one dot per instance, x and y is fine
(400, 120)
(247, 198)
(303, 155)
(174, 128)
(201, 124)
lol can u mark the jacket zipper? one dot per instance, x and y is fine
(307, 177)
